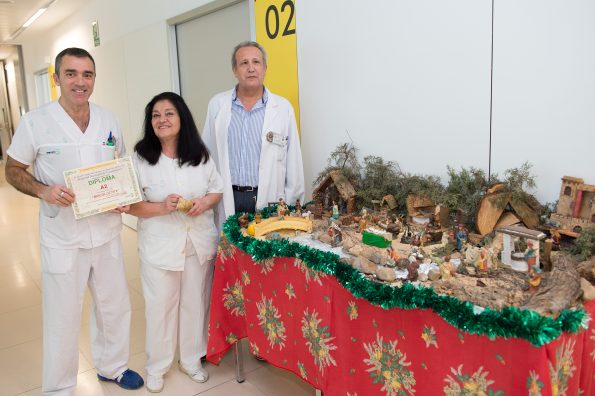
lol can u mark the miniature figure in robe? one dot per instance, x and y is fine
(335, 211)
(530, 254)
(363, 223)
(461, 237)
(482, 261)
(298, 208)
(555, 240)
(534, 277)
(281, 208)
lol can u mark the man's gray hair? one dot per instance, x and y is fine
(73, 51)
(247, 44)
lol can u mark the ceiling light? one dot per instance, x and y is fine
(34, 17)
(30, 20)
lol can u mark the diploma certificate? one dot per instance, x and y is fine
(102, 187)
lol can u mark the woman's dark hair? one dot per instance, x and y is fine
(191, 149)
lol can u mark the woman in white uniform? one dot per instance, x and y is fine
(177, 247)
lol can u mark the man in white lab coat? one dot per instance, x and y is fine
(66, 134)
(252, 135)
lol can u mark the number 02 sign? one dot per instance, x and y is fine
(275, 31)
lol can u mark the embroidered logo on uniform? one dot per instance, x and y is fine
(53, 151)
(111, 140)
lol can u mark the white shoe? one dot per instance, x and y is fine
(200, 375)
(154, 383)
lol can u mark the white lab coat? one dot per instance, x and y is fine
(177, 255)
(76, 253)
(280, 171)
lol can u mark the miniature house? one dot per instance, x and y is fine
(422, 210)
(388, 202)
(498, 209)
(335, 187)
(576, 209)
(515, 231)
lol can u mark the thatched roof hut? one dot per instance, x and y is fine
(345, 189)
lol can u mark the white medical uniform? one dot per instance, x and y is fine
(76, 253)
(177, 254)
(280, 171)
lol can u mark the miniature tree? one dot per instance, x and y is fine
(584, 245)
(517, 181)
(343, 158)
(379, 178)
(464, 192)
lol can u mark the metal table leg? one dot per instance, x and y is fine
(239, 362)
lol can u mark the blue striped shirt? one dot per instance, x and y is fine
(244, 140)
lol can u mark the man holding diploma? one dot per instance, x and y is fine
(66, 134)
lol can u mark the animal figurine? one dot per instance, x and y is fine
(447, 270)
(243, 220)
(416, 241)
(392, 253)
(412, 270)
(394, 227)
(334, 231)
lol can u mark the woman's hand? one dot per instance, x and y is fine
(171, 202)
(121, 209)
(202, 204)
(199, 206)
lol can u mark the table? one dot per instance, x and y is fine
(307, 322)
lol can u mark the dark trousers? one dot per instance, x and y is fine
(245, 201)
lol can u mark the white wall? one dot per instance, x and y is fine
(409, 80)
(544, 89)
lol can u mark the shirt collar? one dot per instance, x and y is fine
(265, 95)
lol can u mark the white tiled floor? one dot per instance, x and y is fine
(21, 331)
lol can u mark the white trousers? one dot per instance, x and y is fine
(176, 307)
(65, 275)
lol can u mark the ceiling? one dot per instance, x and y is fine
(13, 13)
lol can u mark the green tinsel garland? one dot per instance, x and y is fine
(509, 322)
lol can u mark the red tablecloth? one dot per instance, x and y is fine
(308, 323)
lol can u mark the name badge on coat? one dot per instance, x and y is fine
(276, 138)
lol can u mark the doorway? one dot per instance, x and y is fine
(204, 46)
(13, 95)
(6, 129)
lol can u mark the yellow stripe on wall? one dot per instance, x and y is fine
(53, 91)
(276, 32)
